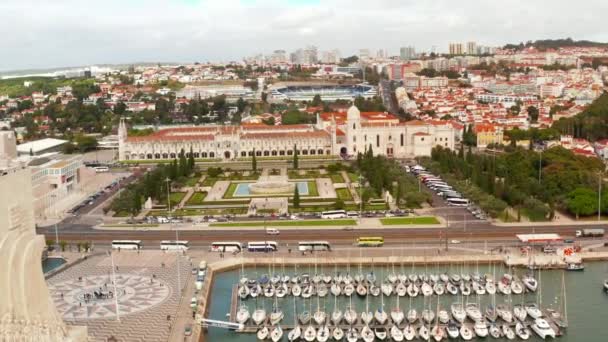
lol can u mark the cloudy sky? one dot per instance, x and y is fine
(55, 33)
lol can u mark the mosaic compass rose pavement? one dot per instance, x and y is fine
(135, 293)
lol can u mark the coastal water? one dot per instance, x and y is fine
(587, 304)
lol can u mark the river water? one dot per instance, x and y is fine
(587, 304)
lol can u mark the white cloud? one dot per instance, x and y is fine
(42, 33)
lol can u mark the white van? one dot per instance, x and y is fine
(272, 231)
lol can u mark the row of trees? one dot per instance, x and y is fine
(153, 185)
(538, 184)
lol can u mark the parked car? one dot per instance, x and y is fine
(188, 330)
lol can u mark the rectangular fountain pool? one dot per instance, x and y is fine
(50, 264)
(242, 190)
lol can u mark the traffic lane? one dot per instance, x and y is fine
(397, 235)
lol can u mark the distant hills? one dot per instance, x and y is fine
(546, 44)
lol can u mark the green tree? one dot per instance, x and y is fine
(582, 201)
(191, 162)
(296, 197)
(254, 162)
(295, 157)
(316, 101)
(533, 114)
(62, 245)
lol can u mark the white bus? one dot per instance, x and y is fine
(230, 247)
(174, 245)
(101, 169)
(127, 244)
(314, 246)
(458, 202)
(262, 246)
(334, 214)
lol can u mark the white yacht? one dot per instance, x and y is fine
(530, 283)
(508, 332)
(381, 316)
(517, 287)
(490, 287)
(276, 334)
(428, 315)
(472, 310)
(335, 289)
(412, 315)
(437, 332)
(268, 291)
(521, 331)
(439, 289)
(367, 334)
(276, 316)
(465, 332)
(481, 328)
(465, 289)
(443, 316)
(458, 312)
(451, 289)
(361, 290)
(348, 289)
(494, 330)
(367, 317)
(397, 315)
(520, 312)
(281, 290)
(319, 317)
(427, 290)
(401, 289)
(323, 333)
(606, 285)
(336, 316)
(533, 310)
(396, 333)
(310, 334)
(259, 316)
(337, 333)
(409, 332)
(504, 313)
(242, 316)
(263, 333)
(350, 316)
(542, 328)
(424, 333)
(374, 290)
(294, 334)
(412, 290)
(380, 333)
(296, 290)
(243, 291)
(387, 289)
(352, 335)
(452, 330)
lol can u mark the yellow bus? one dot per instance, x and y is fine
(370, 241)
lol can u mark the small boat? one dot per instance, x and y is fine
(275, 279)
(316, 278)
(371, 278)
(387, 289)
(336, 316)
(520, 312)
(533, 310)
(504, 288)
(409, 332)
(481, 328)
(452, 330)
(276, 316)
(542, 328)
(412, 290)
(352, 335)
(465, 289)
(490, 287)
(428, 315)
(458, 312)
(397, 315)
(323, 333)
(494, 330)
(380, 333)
(491, 313)
(259, 316)
(348, 289)
(479, 290)
(444, 277)
(427, 290)
(310, 334)
(296, 290)
(465, 332)
(424, 333)
(396, 333)
(350, 316)
(413, 277)
(472, 310)
(530, 283)
(392, 278)
(319, 317)
(381, 316)
(335, 289)
(412, 315)
(521, 331)
(437, 332)
(367, 317)
(466, 277)
(361, 290)
(517, 287)
(374, 290)
(367, 334)
(451, 289)
(294, 334)
(508, 332)
(307, 291)
(242, 316)
(255, 291)
(263, 333)
(337, 333)
(276, 334)
(443, 316)
(304, 317)
(322, 290)
(281, 290)
(455, 278)
(401, 289)
(575, 266)
(326, 278)
(504, 313)
(439, 289)
(606, 285)
(243, 291)
(268, 291)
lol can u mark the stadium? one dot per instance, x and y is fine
(327, 92)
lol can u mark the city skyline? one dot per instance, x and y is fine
(67, 33)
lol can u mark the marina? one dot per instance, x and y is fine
(378, 303)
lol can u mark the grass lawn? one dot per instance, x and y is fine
(312, 189)
(367, 207)
(388, 221)
(199, 212)
(337, 178)
(122, 213)
(209, 181)
(279, 223)
(295, 174)
(191, 181)
(344, 194)
(197, 198)
(354, 178)
(230, 191)
(176, 197)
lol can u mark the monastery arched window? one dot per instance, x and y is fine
(157, 156)
(313, 152)
(165, 155)
(258, 153)
(402, 139)
(274, 153)
(289, 152)
(281, 152)
(305, 152)
(204, 154)
(328, 152)
(266, 153)
(211, 155)
(149, 156)
(320, 152)
(172, 155)
(243, 154)
(250, 153)
(197, 155)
